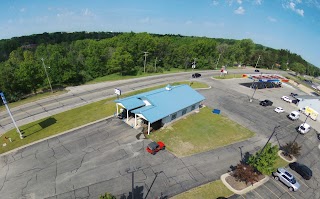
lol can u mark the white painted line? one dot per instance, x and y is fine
(257, 193)
(281, 185)
(271, 191)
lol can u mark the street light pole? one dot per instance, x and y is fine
(274, 130)
(218, 61)
(145, 61)
(257, 61)
(45, 70)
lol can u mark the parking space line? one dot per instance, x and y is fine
(271, 191)
(302, 180)
(281, 185)
(257, 193)
(242, 197)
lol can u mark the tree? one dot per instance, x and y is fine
(264, 161)
(292, 149)
(107, 196)
(298, 68)
(121, 62)
(245, 173)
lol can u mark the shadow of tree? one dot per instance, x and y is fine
(138, 193)
(245, 157)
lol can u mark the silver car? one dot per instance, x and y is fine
(286, 178)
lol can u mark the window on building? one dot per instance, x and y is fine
(184, 111)
(173, 116)
(193, 107)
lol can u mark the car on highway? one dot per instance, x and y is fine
(256, 70)
(301, 169)
(286, 178)
(196, 75)
(293, 94)
(154, 147)
(266, 103)
(279, 110)
(286, 99)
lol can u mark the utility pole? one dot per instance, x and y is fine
(155, 64)
(45, 70)
(10, 114)
(145, 61)
(218, 61)
(257, 61)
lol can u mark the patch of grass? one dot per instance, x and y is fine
(213, 190)
(67, 120)
(114, 77)
(280, 163)
(200, 132)
(229, 76)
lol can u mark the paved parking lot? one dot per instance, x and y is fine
(101, 157)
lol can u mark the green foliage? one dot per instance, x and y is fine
(245, 173)
(292, 149)
(107, 196)
(76, 58)
(264, 162)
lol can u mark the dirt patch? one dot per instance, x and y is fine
(239, 185)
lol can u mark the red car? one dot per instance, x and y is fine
(154, 147)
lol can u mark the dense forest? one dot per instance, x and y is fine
(76, 58)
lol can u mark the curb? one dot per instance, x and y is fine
(245, 190)
(53, 136)
(290, 161)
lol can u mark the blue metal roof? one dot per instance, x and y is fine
(163, 102)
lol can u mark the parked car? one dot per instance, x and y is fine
(286, 178)
(266, 103)
(279, 110)
(154, 147)
(196, 75)
(301, 169)
(293, 94)
(294, 115)
(287, 99)
(304, 128)
(256, 70)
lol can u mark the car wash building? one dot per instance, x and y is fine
(161, 106)
(261, 81)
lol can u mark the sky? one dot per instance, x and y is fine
(279, 24)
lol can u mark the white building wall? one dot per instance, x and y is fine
(168, 119)
(312, 103)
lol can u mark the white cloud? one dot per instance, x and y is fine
(239, 11)
(188, 22)
(292, 6)
(215, 2)
(87, 12)
(272, 19)
(22, 9)
(258, 2)
(239, 1)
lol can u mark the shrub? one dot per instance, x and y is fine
(107, 196)
(245, 173)
(292, 149)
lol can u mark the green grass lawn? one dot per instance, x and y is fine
(200, 132)
(229, 76)
(70, 119)
(211, 190)
(280, 163)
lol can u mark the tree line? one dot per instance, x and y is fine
(76, 58)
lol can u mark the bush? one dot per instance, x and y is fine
(245, 173)
(107, 196)
(292, 149)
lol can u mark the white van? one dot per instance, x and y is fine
(294, 115)
(304, 128)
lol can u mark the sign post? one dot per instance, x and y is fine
(7, 107)
(117, 92)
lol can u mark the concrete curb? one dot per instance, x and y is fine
(245, 190)
(290, 161)
(47, 138)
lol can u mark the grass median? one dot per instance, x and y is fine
(229, 76)
(214, 189)
(199, 132)
(70, 119)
